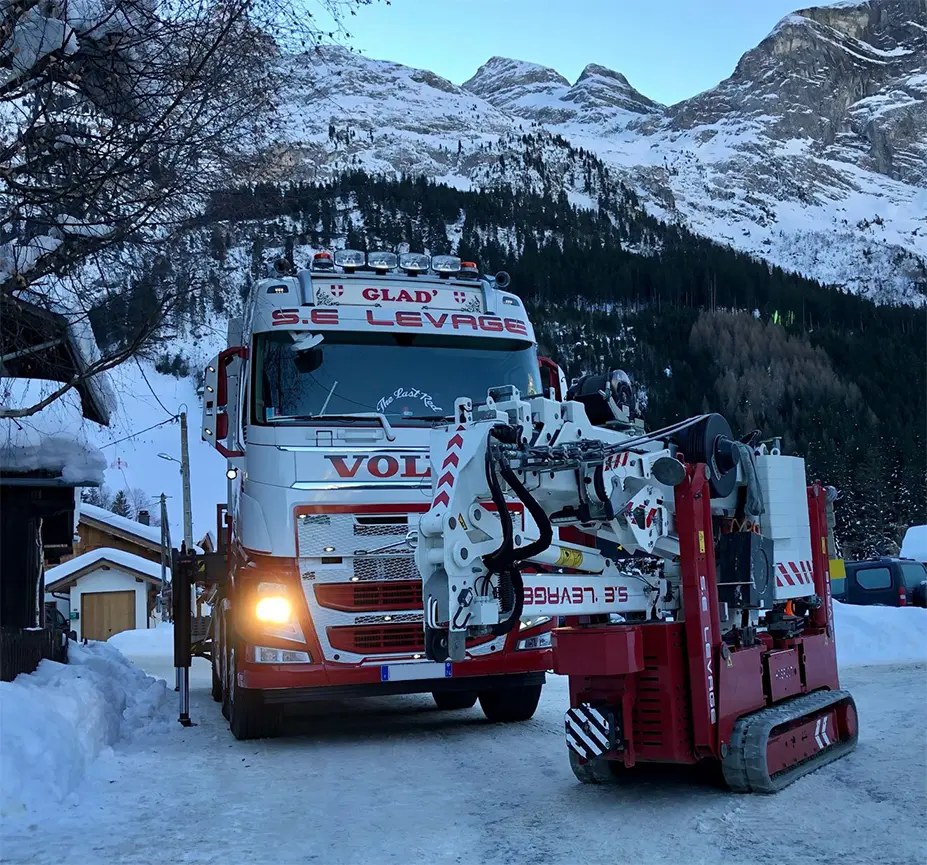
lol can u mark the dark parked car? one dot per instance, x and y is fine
(888, 582)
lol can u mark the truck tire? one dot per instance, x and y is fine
(505, 705)
(216, 684)
(598, 770)
(450, 701)
(249, 717)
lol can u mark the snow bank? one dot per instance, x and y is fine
(56, 722)
(914, 545)
(880, 635)
(145, 642)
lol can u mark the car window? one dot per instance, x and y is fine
(872, 579)
(838, 587)
(914, 574)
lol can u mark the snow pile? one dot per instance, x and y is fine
(880, 635)
(145, 642)
(54, 439)
(914, 545)
(58, 720)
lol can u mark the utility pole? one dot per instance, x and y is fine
(185, 477)
(165, 557)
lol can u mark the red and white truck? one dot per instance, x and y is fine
(323, 403)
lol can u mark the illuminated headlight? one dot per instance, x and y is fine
(533, 623)
(274, 612)
(273, 609)
(541, 641)
(268, 655)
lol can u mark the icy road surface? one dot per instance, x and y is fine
(396, 781)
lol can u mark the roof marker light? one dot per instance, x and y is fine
(382, 262)
(414, 263)
(278, 289)
(350, 259)
(323, 261)
(469, 270)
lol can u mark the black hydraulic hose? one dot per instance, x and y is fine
(497, 560)
(514, 576)
(540, 516)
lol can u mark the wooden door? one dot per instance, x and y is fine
(106, 613)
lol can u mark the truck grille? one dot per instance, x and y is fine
(400, 637)
(384, 567)
(370, 596)
(382, 638)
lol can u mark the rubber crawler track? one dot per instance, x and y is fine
(745, 765)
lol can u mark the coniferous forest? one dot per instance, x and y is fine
(697, 325)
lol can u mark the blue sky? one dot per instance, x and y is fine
(668, 49)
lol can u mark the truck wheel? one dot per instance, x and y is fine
(503, 705)
(249, 717)
(598, 770)
(216, 684)
(452, 700)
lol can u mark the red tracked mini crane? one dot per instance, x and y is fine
(725, 653)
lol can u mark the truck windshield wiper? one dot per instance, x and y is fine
(360, 415)
(437, 418)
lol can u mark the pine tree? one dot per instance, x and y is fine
(121, 505)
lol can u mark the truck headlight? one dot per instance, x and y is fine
(274, 609)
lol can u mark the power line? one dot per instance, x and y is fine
(144, 376)
(133, 435)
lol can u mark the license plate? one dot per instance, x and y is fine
(408, 672)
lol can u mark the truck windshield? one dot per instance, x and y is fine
(410, 378)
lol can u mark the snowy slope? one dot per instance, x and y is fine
(811, 155)
(131, 448)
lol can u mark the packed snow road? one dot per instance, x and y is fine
(397, 781)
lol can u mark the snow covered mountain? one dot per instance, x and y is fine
(812, 155)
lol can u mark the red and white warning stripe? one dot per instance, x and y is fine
(449, 470)
(795, 574)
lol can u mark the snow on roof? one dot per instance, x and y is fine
(914, 545)
(61, 300)
(124, 524)
(61, 572)
(54, 439)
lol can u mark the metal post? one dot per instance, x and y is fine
(180, 598)
(185, 476)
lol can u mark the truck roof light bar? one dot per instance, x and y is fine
(382, 262)
(445, 265)
(350, 259)
(414, 263)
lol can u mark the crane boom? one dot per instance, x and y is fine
(723, 649)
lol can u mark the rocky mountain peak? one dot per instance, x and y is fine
(851, 76)
(504, 82)
(601, 87)
(593, 70)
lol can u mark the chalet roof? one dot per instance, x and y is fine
(68, 573)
